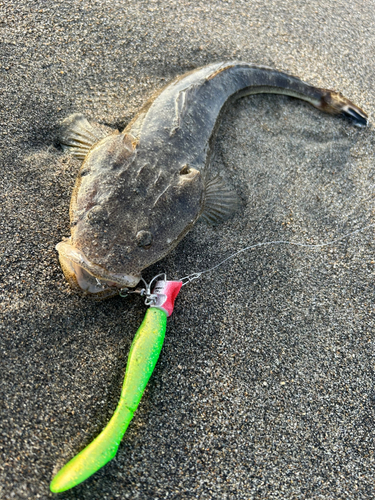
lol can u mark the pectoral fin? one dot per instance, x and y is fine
(220, 201)
(77, 135)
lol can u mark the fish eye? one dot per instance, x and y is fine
(144, 239)
(185, 170)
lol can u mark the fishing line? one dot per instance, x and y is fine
(191, 277)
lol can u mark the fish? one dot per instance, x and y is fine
(140, 191)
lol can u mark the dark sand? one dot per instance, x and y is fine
(264, 388)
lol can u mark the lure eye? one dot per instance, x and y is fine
(144, 239)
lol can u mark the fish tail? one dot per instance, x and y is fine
(336, 104)
(260, 80)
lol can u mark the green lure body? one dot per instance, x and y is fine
(143, 355)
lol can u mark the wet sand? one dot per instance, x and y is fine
(265, 387)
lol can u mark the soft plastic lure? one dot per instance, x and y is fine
(143, 355)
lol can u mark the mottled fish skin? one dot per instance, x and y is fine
(139, 192)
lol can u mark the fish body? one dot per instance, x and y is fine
(140, 191)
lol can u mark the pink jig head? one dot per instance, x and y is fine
(166, 293)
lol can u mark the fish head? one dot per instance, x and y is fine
(126, 218)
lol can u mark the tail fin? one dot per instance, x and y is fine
(336, 104)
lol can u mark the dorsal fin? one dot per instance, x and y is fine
(77, 135)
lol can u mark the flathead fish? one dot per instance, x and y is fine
(140, 191)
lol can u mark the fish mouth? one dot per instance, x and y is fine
(91, 278)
